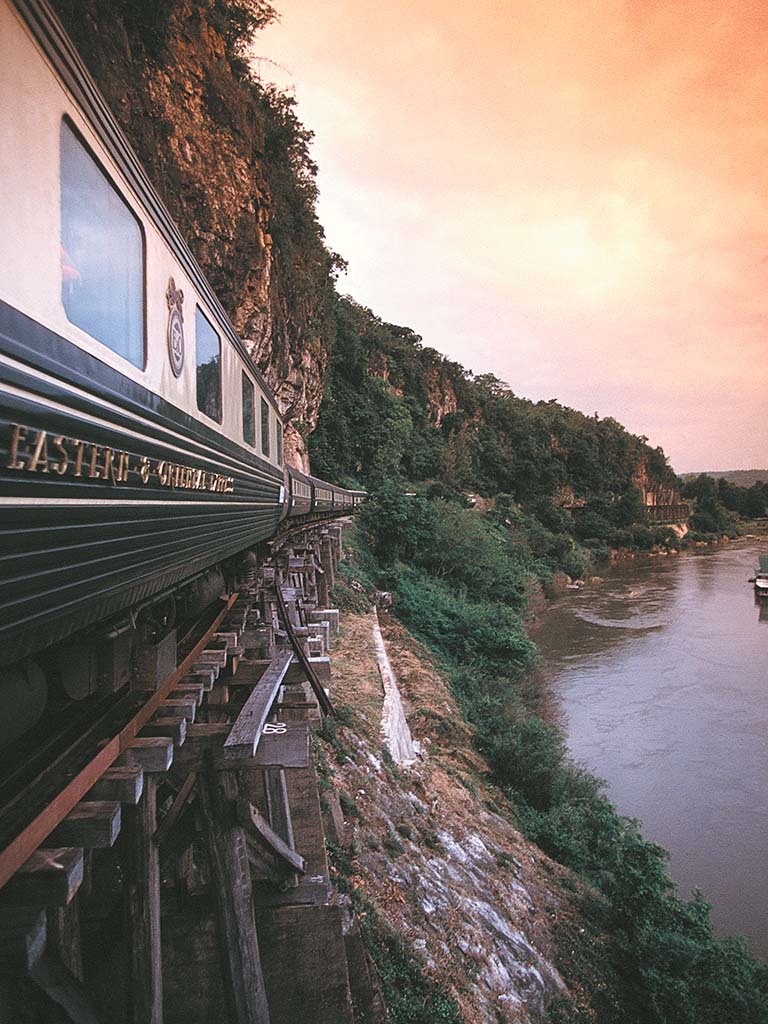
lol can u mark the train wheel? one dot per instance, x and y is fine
(79, 669)
(23, 696)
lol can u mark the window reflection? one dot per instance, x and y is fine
(265, 427)
(102, 255)
(249, 422)
(208, 357)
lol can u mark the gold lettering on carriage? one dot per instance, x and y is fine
(42, 451)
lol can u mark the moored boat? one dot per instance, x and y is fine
(761, 578)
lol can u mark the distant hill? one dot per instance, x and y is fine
(740, 477)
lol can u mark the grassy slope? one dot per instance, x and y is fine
(662, 963)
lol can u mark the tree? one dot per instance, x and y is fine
(631, 507)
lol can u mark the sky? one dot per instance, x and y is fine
(570, 194)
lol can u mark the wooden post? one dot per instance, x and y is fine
(278, 808)
(231, 882)
(326, 561)
(143, 909)
(64, 936)
(321, 581)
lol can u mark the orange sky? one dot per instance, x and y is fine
(571, 194)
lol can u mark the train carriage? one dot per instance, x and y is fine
(139, 445)
(323, 495)
(300, 493)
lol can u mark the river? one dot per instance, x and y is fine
(659, 676)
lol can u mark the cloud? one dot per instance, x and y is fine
(571, 195)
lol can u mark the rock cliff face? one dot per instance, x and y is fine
(231, 164)
(441, 396)
(654, 491)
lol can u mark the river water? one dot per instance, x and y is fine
(660, 678)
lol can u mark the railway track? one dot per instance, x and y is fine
(46, 786)
(118, 822)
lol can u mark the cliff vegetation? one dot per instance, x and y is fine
(479, 499)
(232, 163)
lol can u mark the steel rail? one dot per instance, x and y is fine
(68, 791)
(317, 687)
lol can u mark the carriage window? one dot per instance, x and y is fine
(265, 427)
(279, 446)
(249, 423)
(208, 353)
(102, 254)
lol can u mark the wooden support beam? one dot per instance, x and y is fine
(35, 828)
(178, 707)
(91, 824)
(208, 731)
(249, 673)
(176, 809)
(201, 738)
(327, 561)
(190, 691)
(204, 668)
(286, 747)
(231, 882)
(64, 989)
(246, 732)
(205, 676)
(320, 668)
(152, 753)
(306, 665)
(219, 694)
(22, 937)
(174, 728)
(124, 784)
(142, 887)
(50, 878)
(278, 808)
(64, 937)
(229, 639)
(258, 828)
(321, 585)
(213, 656)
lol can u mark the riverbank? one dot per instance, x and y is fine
(665, 700)
(748, 529)
(659, 959)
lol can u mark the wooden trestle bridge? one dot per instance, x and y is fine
(179, 873)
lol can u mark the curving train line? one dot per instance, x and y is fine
(141, 451)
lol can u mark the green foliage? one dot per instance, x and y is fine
(485, 633)
(661, 962)
(393, 846)
(714, 516)
(668, 966)
(411, 997)
(748, 502)
(527, 756)
(630, 507)
(393, 408)
(348, 806)
(398, 524)
(238, 21)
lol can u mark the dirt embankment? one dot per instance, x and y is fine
(434, 847)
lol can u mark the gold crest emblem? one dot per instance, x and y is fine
(175, 298)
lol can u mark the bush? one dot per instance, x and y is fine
(484, 633)
(527, 756)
